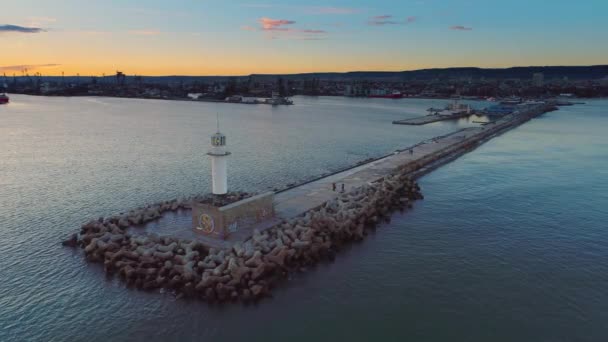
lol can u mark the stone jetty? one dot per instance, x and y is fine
(250, 269)
(316, 222)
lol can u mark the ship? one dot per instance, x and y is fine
(276, 100)
(3, 98)
(456, 107)
(453, 108)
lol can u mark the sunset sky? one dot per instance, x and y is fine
(241, 37)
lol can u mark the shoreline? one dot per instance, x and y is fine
(210, 100)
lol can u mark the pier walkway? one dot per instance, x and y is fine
(428, 155)
(427, 119)
(298, 200)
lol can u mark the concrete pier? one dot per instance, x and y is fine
(427, 119)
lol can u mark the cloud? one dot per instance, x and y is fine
(275, 24)
(331, 10)
(22, 67)
(20, 29)
(277, 27)
(461, 28)
(380, 20)
(145, 32)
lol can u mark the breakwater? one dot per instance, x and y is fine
(251, 268)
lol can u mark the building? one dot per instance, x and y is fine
(538, 79)
(356, 89)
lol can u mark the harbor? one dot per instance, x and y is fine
(479, 211)
(303, 171)
(216, 260)
(455, 110)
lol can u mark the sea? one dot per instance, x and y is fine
(509, 244)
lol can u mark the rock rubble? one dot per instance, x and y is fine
(250, 269)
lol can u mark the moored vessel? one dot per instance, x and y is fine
(3, 98)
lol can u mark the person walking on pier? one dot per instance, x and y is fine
(342, 187)
(333, 186)
(411, 151)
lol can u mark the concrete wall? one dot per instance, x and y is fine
(221, 222)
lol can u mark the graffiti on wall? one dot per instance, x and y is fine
(233, 227)
(206, 224)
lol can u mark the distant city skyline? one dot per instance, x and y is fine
(244, 37)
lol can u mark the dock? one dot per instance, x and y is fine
(427, 119)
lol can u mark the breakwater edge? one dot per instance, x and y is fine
(250, 269)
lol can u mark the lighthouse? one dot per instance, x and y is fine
(219, 159)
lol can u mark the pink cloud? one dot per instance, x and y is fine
(461, 28)
(411, 19)
(281, 26)
(382, 17)
(275, 24)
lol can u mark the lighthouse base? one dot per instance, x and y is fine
(233, 219)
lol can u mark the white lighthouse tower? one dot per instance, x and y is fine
(219, 159)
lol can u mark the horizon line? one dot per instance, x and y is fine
(324, 72)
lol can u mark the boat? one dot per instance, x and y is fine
(3, 98)
(276, 100)
(456, 107)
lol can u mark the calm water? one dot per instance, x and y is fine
(510, 243)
